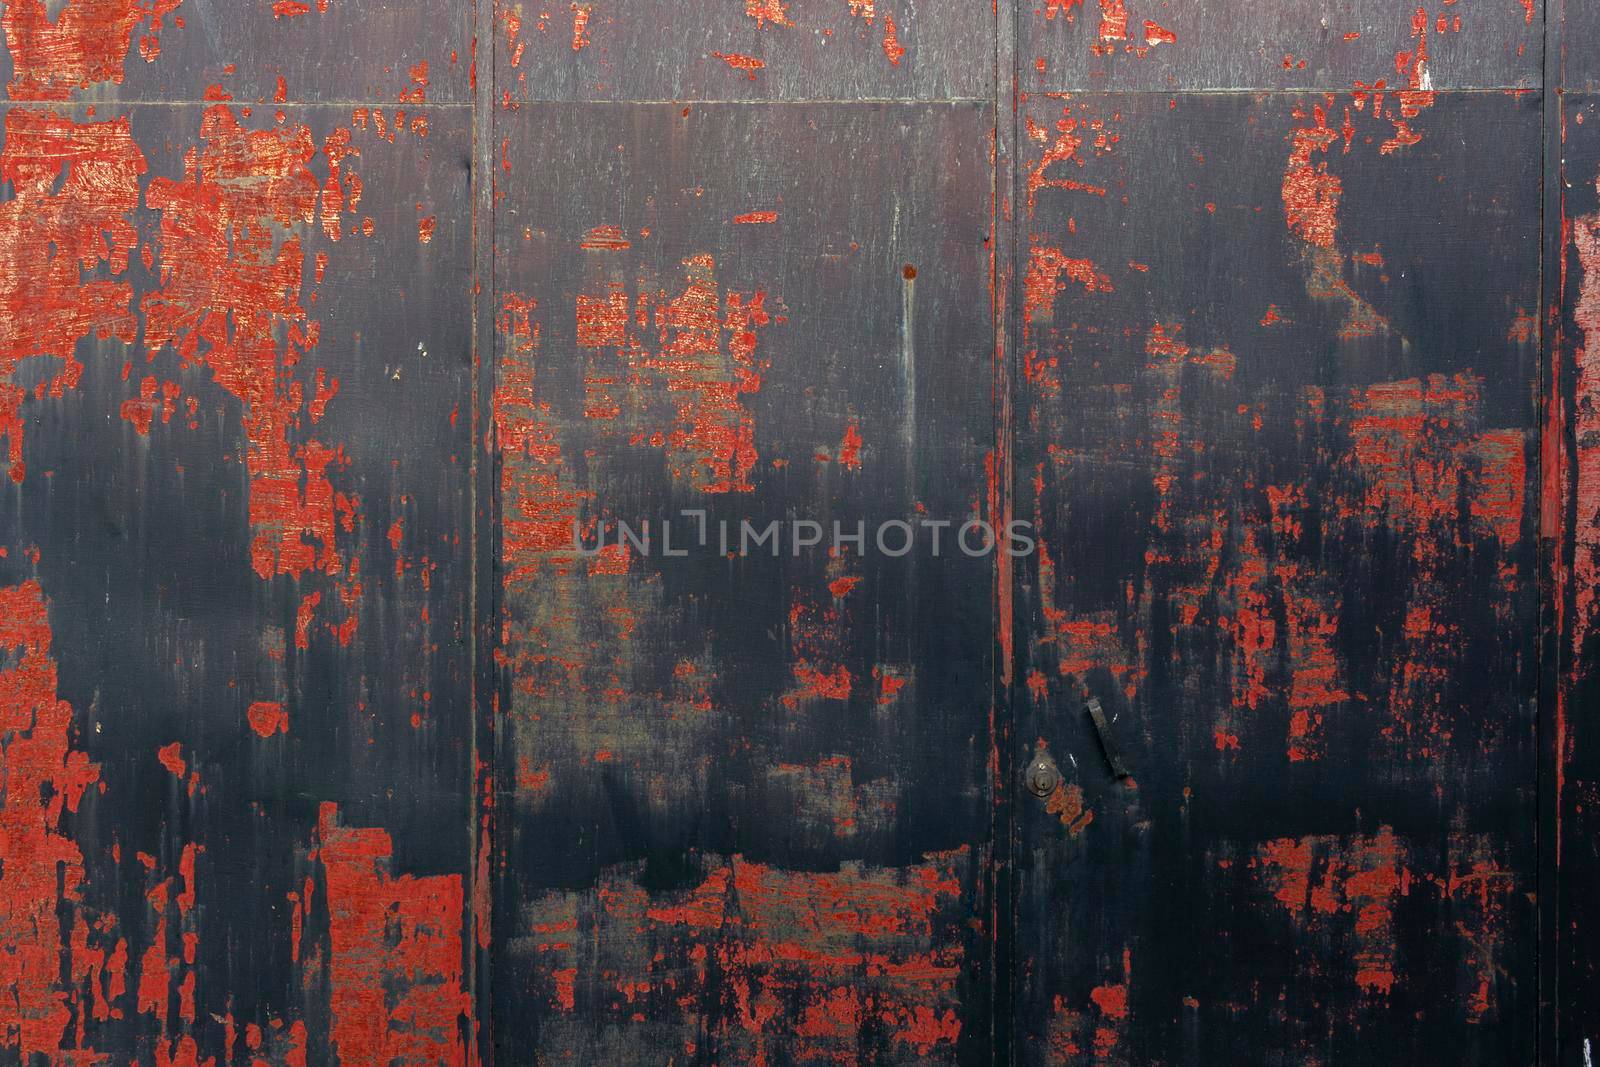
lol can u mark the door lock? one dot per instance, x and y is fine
(1042, 775)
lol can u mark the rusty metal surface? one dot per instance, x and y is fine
(325, 326)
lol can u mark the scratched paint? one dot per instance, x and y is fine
(1284, 520)
(752, 963)
(178, 360)
(657, 354)
(1264, 383)
(1570, 522)
(757, 49)
(1128, 45)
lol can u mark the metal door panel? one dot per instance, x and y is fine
(852, 50)
(327, 327)
(742, 800)
(275, 51)
(232, 553)
(1280, 452)
(1299, 46)
(1570, 515)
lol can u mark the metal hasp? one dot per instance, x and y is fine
(1043, 775)
(1108, 744)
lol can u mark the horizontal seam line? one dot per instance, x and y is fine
(754, 103)
(109, 105)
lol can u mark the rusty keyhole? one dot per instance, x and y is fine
(1042, 775)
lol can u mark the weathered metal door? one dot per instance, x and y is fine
(796, 532)
(1278, 424)
(743, 795)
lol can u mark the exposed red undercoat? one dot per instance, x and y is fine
(1343, 892)
(580, 26)
(568, 625)
(1310, 193)
(1113, 20)
(748, 64)
(1046, 269)
(701, 359)
(84, 44)
(171, 757)
(1155, 34)
(817, 640)
(49, 238)
(1250, 624)
(1416, 461)
(292, 8)
(722, 961)
(605, 239)
(540, 502)
(1413, 66)
(229, 288)
(765, 11)
(268, 718)
(1585, 417)
(850, 447)
(42, 867)
(892, 48)
(1417, 448)
(395, 954)
(1354, 885)
(1095, 1032)
(1315, 672)
(168, 961)
(1084, 642)
(1074, 131)
(155, 398)
(1066, 803)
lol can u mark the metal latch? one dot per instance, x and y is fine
(1108, 743)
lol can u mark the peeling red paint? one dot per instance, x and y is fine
(395, 953)
(45, 778)
(1155, 34)
(1046, 268)
(1361, 883)
(86, 43)
(892, 48)
(171, 757)
(75, 185)
(748, 64)
(850, 447)
(227, 292)
(1310, 193)
(1348, 889)
(268, 718)
(1075, 130)
(1585, 417)
(765, 11)
(857, 948)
